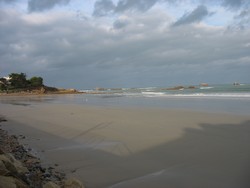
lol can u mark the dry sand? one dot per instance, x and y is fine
(133, 147)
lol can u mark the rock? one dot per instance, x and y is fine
(3, 170)
(12, 164)
(8, 164)
(100, 89)
(204, 84)
(11, 182)
(42, 90)
(191, 87)
(72, 90)
(13, 137)
(2, 119)
(32, 161)
(19, 166)
(22, 136)
(1, 151)
(20, 169)
(236, 83)
(51, 185)
(175, 88)
(51, 168)
(46, 175)
(73, 183)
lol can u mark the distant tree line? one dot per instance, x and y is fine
(16, 81)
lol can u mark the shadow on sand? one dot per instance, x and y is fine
(214, 156)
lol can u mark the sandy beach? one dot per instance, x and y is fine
(122, 147)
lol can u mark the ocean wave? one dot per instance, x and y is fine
(221, 95)
(152, 94)
(191, 95)
(206, 87)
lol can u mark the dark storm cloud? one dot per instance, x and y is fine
(7, 1)
(242, 20)
(196, 15)
(41, 5)
(119, 24)
(235, 4)
(103, 7)
(244, 13)
(141, 5)
(89, 53)
(108, 7)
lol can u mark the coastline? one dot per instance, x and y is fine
(137, 147)
(59, 92)
(21, 167)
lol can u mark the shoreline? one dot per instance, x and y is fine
(214, 105)
(40, 94)
(105, 146)
(21, 167)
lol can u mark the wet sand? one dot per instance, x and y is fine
(135, 147)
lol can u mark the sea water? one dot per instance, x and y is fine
(213, 98)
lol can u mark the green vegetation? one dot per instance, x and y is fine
(18, 82)
(36, 81)
(3, 84)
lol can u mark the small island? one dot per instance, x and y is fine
(18, 84)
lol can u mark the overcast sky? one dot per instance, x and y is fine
(126, 43)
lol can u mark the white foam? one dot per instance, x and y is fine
(213, 95)
(206, 87)
(192, 95)
(153, 94)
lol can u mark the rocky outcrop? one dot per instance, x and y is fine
(73, 183)
(20, 169)
(191, 87)
(204, 84)
(174, 88)
(12, 165)
(51, 184)
(179, 88)
(12, 182)
(12, 172)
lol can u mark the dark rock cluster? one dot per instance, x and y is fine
(19, 168)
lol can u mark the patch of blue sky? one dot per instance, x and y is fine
(20, 5)
(219, 16)
(86, 6)
(12, 4)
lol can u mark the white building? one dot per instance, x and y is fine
(7, 78)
